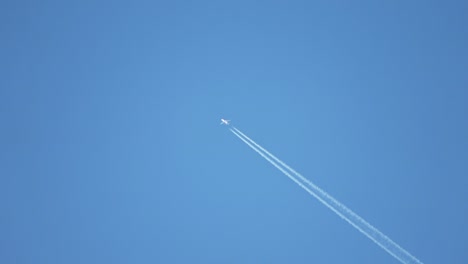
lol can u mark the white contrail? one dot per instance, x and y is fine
(341, 210)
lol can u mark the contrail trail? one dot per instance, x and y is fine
(365, 225)
(341, 210)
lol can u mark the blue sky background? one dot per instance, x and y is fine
(112, 152)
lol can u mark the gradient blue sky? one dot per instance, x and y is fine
(112, 152)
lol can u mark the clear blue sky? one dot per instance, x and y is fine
(111, 149)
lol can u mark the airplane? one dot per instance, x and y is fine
(224, 122)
